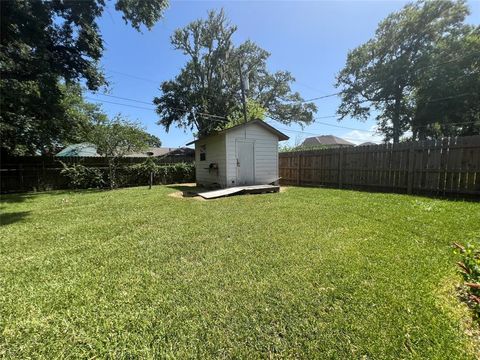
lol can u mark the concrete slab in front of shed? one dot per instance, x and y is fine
(251, 189)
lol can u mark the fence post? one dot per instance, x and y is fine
(299, 159)
(340, 167)
(411, 162)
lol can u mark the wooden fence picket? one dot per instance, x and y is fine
(443, 166)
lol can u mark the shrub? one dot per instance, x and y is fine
(82, 177)
(470, 270)
(139, 174)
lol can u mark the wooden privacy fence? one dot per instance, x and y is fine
(445, 166)
(39, 173)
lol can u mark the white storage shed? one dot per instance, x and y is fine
(246, 154)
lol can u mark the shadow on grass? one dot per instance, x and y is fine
(13, 217)
(21, 197)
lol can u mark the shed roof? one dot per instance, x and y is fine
(326, 140)
(281, 136)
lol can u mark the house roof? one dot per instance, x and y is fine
(90, 150)
(281, 136)
(367, 143)
(82, 149)
(162, 151)
(326, 140)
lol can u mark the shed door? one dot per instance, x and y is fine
(245, 163)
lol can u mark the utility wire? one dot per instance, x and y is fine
(153, 109)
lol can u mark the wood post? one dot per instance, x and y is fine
(299, 160)
(340, 167)
(410, 173)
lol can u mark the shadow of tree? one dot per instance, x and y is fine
(21, 197)
(12, 217)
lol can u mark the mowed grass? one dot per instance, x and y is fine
(306, 273)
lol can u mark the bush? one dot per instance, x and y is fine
(470, 270)
(139, 174)
(82, 177)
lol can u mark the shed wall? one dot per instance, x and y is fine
(215, 153)
(265, 150)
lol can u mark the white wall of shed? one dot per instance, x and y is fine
(215, 153)
(265, 150)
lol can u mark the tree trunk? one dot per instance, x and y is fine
(396, 115)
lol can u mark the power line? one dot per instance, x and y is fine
(151, 109)
(135, 77)
(124, 98)
(116, 103)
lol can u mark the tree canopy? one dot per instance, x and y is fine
(43, 46)
(207, 91)
(447, 95)
(114, 138)
(387, 76)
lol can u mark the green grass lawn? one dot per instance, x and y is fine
(306, 273)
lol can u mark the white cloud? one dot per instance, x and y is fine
(358, 137)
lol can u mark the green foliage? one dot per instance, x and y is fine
(82, 177)
(44, 45)
(209, 83)
(290, 148)
(115, 138)
(470, 270)
(254, 111)
(454, 78)
(139, 174)
(153, 141)
(307, 273)
(381, 76)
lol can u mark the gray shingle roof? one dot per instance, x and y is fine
(326, 140)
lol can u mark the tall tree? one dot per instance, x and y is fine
(380, 75)
(48, 132)
(207, 90)
(44, 44)
(447, 95)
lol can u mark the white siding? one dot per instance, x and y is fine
(265, 149)
(215, 153)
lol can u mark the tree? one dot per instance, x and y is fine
(153, 141)
(47, 133)
(115, 138)
(254, 111)
(43, 46)
(380, 75)
(207, 90)
(447, 95)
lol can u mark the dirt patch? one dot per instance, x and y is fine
(182, 195)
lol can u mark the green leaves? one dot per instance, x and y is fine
(45, 45)
(470, 270)
(206, 94)
(115, 138)
(385, 74)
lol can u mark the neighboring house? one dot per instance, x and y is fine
(327, 141)
(367, 143)
(82, 149)
(246, 154)
(161, 152)
(170, 154)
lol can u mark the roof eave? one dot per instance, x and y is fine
(281, 136)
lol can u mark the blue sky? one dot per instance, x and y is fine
(309, 39)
